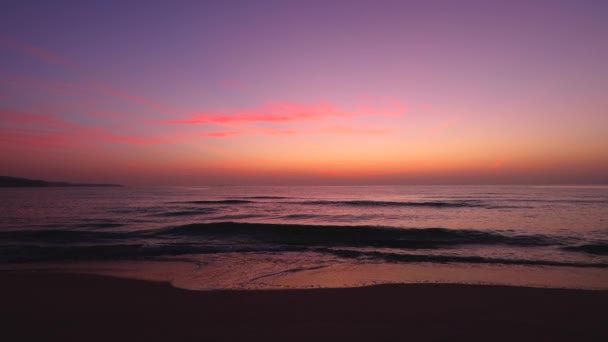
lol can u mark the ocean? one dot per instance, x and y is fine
(265, 237)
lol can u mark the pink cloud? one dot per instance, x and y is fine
(445, 125)
(58, 87)
(284, 112)
(49, 131)
(383, 106)
(272, 112)
(233, 85)
(34, 51)
(275, 131)
(34, 138)
(425, 106)
(45, 120)
(250, 130)
(135, 99)
(96, 87)
(90, 92)
(338, 130)
(317, 119)
(347, 130)
(497, 164)
(105, 136)
(222, 134)
(8, 115)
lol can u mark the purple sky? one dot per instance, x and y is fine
(306, 92)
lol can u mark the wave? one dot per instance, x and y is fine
(360, 203)
(229, 201)
(201, 211)
(355, 236)
(363, 203)
(395, 257)
(264, 197)
(300, 216)
(336, 240)
(60, 235)
(308, 236)
(598, 248)
(297, 235)
(564, 201)
(84, 224)
(123, 251)
(238, 216)
(291, 270)
(32, 253)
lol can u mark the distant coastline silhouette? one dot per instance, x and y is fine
(17, 182)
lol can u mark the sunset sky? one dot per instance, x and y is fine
(305, 92)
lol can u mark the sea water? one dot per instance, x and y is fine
(308, 236)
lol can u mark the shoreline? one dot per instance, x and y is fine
(264, 272)
(69, 307)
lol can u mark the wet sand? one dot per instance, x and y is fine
(43, 306)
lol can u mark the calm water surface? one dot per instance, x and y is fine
(336, 236)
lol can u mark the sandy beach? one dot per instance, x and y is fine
(45, 306)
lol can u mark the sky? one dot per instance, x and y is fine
(305, 92)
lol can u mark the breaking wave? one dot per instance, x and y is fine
(391, 244)
(228, 201)
(357, 236)
(433, 204)
(597, 248)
